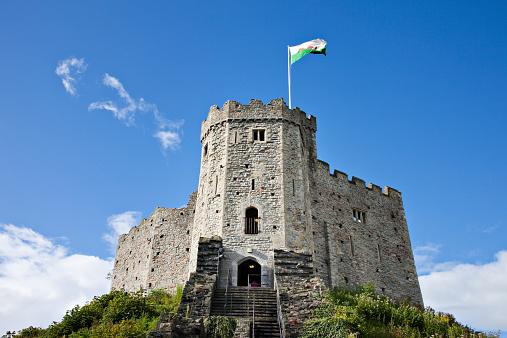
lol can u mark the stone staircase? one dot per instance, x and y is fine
(240, 306)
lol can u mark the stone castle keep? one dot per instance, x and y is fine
(263, 195)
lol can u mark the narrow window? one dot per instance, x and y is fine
(351, 246)
(253, 184)
(216, 184)
(251, 221)
(358, 216)
(293, 188)
(236, 137)
(205, 150)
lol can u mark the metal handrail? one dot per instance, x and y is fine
(253, 318)
(279, 315)
(258, 274)
(227, 291)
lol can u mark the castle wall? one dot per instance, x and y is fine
(374, 247)
(133, 257)
(156, 253)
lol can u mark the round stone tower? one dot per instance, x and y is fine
(254, 186)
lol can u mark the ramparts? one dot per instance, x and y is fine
(256, 110)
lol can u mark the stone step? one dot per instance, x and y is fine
(239, 306)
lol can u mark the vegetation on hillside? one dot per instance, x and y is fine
(116, 314)
(344, 313)
(361, 313)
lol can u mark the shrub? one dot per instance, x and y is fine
(116, 314)
(220, 326)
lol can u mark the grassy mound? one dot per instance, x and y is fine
(362, 313)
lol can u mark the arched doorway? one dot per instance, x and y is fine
(249, 268)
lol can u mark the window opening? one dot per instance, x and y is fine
(358, 216)
(235, 137)
(293, 188)
(259, 135)
(253, 184)
(205, 151)
(251, 221)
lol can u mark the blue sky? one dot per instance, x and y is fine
(412, 95)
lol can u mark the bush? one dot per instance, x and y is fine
(220, 326)
(116, 314)
(362, 313)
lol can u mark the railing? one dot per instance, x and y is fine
(251, 225)
(227, 291)
(279, 314)
(253, 318)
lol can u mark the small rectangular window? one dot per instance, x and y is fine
(258, 135)
(358, 216)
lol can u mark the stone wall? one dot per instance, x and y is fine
(156, 253)
(299, 292)
(196, 298)
(376, 248)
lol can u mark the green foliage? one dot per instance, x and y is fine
(362, 313)
(116, 314)
(327, 327)
(220, 326)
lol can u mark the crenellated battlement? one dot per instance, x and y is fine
(387, 191)
(256, 110)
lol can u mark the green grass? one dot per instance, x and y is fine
(362, 313)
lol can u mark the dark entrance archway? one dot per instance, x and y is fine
(249, 268)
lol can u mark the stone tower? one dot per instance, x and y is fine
(254, 183)
(262, 190)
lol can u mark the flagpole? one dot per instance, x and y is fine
(288, 65)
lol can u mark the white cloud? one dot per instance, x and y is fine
(40, 280)
(68, 70)
(120, 224)
(167, 131)
(168, 139)
(475, 294)
(125, 113)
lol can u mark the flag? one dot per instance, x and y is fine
(317, 46)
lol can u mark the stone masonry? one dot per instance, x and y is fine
(262, 189)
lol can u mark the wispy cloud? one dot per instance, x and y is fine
(40, 280)
(475, 294)
(68, 70)
(491, 229)
(120, 224)
(167, 133)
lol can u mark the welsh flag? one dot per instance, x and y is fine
(317, 46)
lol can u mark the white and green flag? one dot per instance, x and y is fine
(317, 46)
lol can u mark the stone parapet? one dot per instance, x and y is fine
(276, 109)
